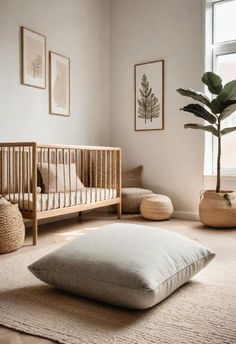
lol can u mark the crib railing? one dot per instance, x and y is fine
(49, 180)
(98, 168)
(18, 177)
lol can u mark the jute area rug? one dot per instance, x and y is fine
(202, 311)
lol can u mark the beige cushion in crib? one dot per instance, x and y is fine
(61, 179)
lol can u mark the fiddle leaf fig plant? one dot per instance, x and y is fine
(214, 112)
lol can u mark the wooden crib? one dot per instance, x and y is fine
(52, 180)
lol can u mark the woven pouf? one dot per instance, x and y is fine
(132, 198)
(156, 207)
(12, 229)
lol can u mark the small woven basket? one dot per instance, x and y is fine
(12, 229)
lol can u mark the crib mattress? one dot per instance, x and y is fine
(61, 200)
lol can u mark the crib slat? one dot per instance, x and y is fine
(90, 175)
(23, 176)
(60, 162)
(119, 172)
(86, 181)
(81, 175)
(41, 162)
(34, 187)
(105, 193)
(30, 171)
(112, 154)
(8, 172)
(19, 174)
(69, 151)
(55, 193)
(110, 171)
(77, 174)
(64, 178)
(96, 175)
(48, 163)
(115, 173)
(101, 170)
(28, 176)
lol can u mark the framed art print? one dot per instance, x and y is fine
(59, 84)
(149, 95)
(33, 58)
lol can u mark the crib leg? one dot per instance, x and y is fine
(35, 229)
(119, 210)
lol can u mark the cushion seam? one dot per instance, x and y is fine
(143, 289)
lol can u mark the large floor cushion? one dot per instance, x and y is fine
(127, 265)
(132, 198)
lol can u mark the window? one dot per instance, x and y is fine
(222, 48)
(224, 21)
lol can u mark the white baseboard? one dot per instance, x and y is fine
(186, 215)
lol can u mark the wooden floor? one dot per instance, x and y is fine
(223, 242)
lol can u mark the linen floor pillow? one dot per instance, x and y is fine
(127, 265)
(59, 178)
(132, 178)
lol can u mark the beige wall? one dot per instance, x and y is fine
(119, 33)
(143, 30)
(78, 29)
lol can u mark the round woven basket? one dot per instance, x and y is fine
(12, 229)
(156, 207)
(218, 209)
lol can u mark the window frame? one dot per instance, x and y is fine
(212, 51)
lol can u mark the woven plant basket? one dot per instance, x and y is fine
(12, 229)
(218, 209)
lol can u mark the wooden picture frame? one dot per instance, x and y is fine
(59, 84)
(149, 96)
(33, 58)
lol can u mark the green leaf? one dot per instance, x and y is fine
(216, 106)
(227, 112)
(199, 111)
(213, 82)
(227, 130)
(228, 103)
(208, 128)
(195, 95)
(228, 92)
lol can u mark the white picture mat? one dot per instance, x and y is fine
(29, 79)
(61, 107)
(154, 73)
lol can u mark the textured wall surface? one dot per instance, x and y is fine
(78, 29)
(145, 30)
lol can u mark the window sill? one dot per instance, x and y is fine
(227, 182)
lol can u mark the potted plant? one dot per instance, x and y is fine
(217, 207)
